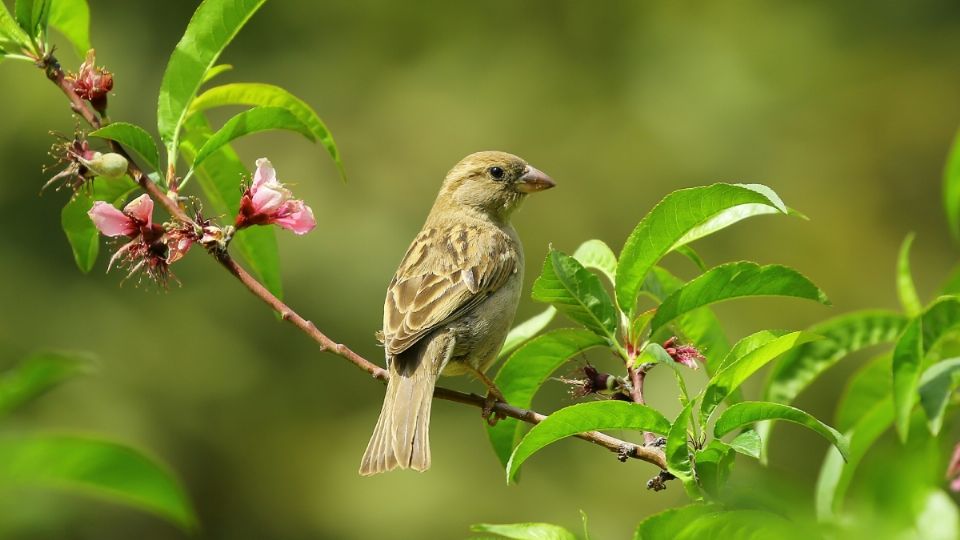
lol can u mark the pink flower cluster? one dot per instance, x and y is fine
(687, 355)
(153, 248)
(267, 201)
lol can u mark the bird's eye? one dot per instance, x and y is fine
(496, 173)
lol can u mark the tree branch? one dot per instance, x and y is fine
(624, 449)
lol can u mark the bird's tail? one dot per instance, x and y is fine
(402, 436)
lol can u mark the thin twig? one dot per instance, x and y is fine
(623, 448)
(637, 376)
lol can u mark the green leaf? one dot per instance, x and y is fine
(678, 452)
(951, 187)
(655, 353)
(667, 525)
(842, 336)
(680, 218)
(32, 15)
(742, 525)
(732, 375)
(254, 120)
(917, 340)
(597, 255)
(526, 330)
(10, 30)
(736, 280)
(584, 417)
(524, 373)
(700, 326)
(38, 373)
(835, 474)
(748, 412)
(747, 443)
(96, 467)
(906, 290)
(577, 293)
(713, 465)
(938, 518)
(133, 137)
(937, 384)
(952, 285)
(72, 19)
(867, 387)
(749, 344)
(212, 27)
(220, 178)
(211, 74)
(81, 233)
(689, 253)
(267, 95)
(526, 531)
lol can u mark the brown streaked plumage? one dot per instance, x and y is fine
(452, 300)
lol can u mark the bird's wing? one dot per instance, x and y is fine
(445, 272)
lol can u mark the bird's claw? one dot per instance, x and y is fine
(488, 413)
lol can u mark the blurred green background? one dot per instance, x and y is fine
(846, 109)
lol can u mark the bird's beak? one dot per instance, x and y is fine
(534, 180)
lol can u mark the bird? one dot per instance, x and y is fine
(451, 302)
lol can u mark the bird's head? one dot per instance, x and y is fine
(492, 182)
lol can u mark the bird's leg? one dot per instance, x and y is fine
(493, 396)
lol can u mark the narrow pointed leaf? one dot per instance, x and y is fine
(526, 370)
(211, 74)
(582, 418)
(906, 290)
(32, 15)
(267, 95)
(10, 30)
(867, 387)
(668, 525)
(577, 293)
(680, 218)
(251, 121)
(951, 188)
(731, 376)
(919, 337)
(213, 25)
(736, 280)
(937, 384)
(97, 467)
(525, 531)
(713, 465)
(842, 336)
(597, 255)
(38, 373)
(747, 443)
(72, 19)
(835, 474)
(133, 137)
(694, 257)
(952, 284)
(81, 233)
(220, 177)
(677, 452)
(525, 331)
(749, 412)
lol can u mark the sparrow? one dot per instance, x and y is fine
(452, 300)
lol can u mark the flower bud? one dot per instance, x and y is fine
(108, 165)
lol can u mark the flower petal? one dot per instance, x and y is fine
(141, 209)
(297, 217)
(110, 221)
(265, 174)
(269, 198)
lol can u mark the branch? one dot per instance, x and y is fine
(637, 376)
(624, 449)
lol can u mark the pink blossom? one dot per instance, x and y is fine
(138, 214)
(267, 201)
(683, 354)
